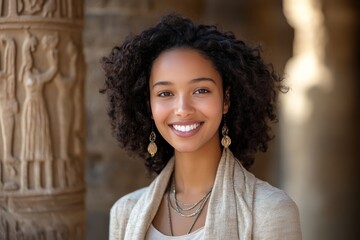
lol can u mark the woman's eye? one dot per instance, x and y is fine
(164, 94)
(201, 91)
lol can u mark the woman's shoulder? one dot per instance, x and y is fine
(127, 202)
(275, 212)
(120, 213)
(264, 194)
(271, 200)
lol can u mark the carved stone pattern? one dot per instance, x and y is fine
(36, 139)
(68, 169)
(41, 114)
(8, 109)
(70, 9)
(11, 229)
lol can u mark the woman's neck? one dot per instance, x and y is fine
(195, 172)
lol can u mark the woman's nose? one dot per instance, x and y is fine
(184, 106)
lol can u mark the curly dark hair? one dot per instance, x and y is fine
(253, 87)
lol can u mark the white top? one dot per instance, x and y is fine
(154, 234)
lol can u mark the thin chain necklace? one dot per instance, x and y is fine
(178, 209)
(196, 212)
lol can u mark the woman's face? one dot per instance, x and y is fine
(186, 99)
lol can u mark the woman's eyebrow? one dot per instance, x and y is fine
(195, 80)
(162, 83)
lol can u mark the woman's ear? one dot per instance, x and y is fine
(226, 100)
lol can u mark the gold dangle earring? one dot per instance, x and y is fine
(152, 148)
(226, 140)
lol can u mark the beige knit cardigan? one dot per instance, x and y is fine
(240, 207)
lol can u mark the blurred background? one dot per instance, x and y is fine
(315, 155)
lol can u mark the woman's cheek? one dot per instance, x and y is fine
(160, 110)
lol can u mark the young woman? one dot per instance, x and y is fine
(196, 104)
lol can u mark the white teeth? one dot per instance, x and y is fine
(187, 128)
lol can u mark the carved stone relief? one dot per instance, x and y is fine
(8, 102)
(42, 8)
(30, 7)
(36, 140)
(67, 169)
(41, 129)
(11, 229)
(8, 109)
(49, 8)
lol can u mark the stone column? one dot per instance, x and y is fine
(320, 147)
(41, 120)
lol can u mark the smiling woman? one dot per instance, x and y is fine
(204, 101)
(186, 99)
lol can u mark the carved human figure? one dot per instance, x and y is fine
(65, 103)
(8, 109)
(49, 8)
(30, 7)
(36, 145)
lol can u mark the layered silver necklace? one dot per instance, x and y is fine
(184, 209)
